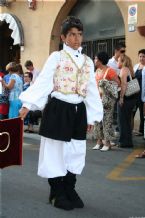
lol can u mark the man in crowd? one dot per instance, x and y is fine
(35, 115)
(119, 49)
(30, 67)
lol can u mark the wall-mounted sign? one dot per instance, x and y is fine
(132, 14)
(131, 27)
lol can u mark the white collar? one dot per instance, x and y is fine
(71, 50)
(113, 58)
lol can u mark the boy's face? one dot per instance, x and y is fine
(73, 38)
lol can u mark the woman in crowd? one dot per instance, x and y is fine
(125, 104)
(104, 130)
(15, 86)
(21, 72)
(139, 70)
(4, 100)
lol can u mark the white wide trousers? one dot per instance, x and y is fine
(58, 157)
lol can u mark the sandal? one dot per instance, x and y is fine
(30, 131)
(97, 147)
(138, 134)
(105, 148)
(26, 130)
(141, 155)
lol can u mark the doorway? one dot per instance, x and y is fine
(91, 48)
(8, 51)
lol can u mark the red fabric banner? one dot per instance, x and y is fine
(11, 141)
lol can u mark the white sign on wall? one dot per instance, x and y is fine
(132, 14)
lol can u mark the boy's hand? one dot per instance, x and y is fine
(23, 112)
(90, 128)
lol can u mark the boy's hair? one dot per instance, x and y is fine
(142, 51)
(28, 63)
(71, 22)
(103, 57)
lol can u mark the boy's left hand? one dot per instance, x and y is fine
(90, 128)
(23, 112)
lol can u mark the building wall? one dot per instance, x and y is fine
(42, 27)
(134, 41)
(37, 26)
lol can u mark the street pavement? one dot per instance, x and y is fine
(112, 185)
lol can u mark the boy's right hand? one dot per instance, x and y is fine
(23, 112)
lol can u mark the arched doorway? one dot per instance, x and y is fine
(103, 24)
(11, 39)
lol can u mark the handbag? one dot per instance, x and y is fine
(11, 140)
(132, 87)
(109, 88)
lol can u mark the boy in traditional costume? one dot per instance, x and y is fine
(68, 77)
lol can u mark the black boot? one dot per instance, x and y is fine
(72, 195)
(57, 196)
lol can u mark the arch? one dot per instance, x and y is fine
(16, 27)
(55, 33)
(103, 31)
(105, 21)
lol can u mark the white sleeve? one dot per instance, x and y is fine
(35, 97)
(93, 101)
(135, 67)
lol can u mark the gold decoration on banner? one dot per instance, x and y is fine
(8, 144)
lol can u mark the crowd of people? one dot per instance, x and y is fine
(13, 84)
(120, 69)
(73, 99)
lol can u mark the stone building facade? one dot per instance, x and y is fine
(30, 29)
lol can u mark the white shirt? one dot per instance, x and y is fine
(35, 97)
(35, 75)
(114, 65)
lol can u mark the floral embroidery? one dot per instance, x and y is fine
(69, 78)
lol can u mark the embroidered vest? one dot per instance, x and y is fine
(69, 78)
